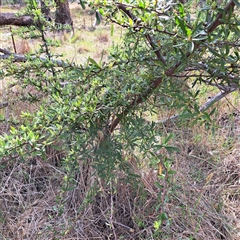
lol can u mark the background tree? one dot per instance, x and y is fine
(63, 15)
(45, 9)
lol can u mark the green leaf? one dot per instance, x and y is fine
(157, 224)
(159, 185)
(180, 23)
(167, 139)
(35, 5)
(189, 31)
(227, 49)
(82, 3)
(186, 115)
(93, 62)
(196, 108)
(130, 22)
(215, 53)
(181, 10)
(207, 117)
(200, 38)
(171, 149)
(112, 29)
(13, 130)
(237, 3)
(212, 112)
(141, 4)
(163, 216)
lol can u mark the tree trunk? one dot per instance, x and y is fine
(45, 10)
(63, 15)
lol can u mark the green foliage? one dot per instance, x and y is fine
(166, 51)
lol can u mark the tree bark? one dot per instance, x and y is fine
(12, 19)
(63, 15)
(45, 9)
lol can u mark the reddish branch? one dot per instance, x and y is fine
(229, 8)
(169, 72)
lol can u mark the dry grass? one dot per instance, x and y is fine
(102, 38)
(203, 205)
(204, 202)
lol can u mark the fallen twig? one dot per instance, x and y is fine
(22, 58)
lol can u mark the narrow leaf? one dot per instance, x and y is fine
(93, 62)
(112, 29)
(82, 4)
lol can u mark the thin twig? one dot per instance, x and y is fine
(204, 107)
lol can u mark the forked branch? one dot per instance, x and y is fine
(170, 71)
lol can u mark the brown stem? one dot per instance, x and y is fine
(13, 41)
(217, 21)
(123, 7)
